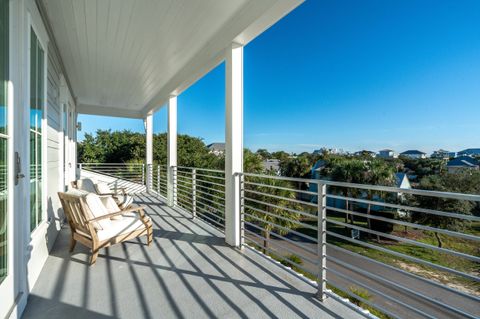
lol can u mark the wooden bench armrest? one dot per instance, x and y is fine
(106, 194)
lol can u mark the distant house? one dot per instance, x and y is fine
(216, 148)
(443, 154)
(469, 152)
(365, 153)
(387, 153)
(331, 151)
(401, 181)
(414, 154)
(462, 163)
(272, 165)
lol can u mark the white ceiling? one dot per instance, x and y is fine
(126, 57)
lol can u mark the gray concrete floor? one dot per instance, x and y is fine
(187, 272)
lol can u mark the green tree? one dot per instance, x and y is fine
(264, 154)
(273, 218)
(462, 182)
(359, 171)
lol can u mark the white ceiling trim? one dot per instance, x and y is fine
(108, 111)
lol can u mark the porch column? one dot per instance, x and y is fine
(233, 142)
(172, 151)
(149, 150)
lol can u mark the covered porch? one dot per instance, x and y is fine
(188, 272)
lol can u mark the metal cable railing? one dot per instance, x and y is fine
(402, 252)
(369, 240)
(128, 176)
(202, 192)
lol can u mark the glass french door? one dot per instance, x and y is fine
(37, 100)
(6, 255)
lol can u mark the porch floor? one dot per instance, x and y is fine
(187, 272)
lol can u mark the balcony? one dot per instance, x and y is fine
(187, 272)
(191, 265)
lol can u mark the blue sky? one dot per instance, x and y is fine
(348, 74)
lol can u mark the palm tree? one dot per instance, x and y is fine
(275, 217)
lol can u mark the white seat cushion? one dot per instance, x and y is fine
(128, 224)
(95, 208)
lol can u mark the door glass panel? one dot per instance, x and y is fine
(4, 36)
(37, 100)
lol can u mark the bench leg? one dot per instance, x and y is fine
(149, 234)
(94, 256)
(73, 242)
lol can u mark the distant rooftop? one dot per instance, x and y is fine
(413, 152)
(464, 161)
(216, 146)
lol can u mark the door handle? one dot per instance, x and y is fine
(18, 172)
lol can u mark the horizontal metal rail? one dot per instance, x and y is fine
(420, 192)
(280, 207)
(202, 192)
(293, 252)
(202, 169)
(399, 286)
(281, 217)
(293, 200)
(409, 274)
(380, 293)
(282, 188)
(404, 207)
(276, 235)
(408, 224)
(406, 240)
(357, 297)
(405, 256)
(315, 240)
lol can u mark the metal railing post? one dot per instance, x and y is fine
(242, 210)
(80, 167)
(175, 185)
(322, 240)
(158, 179)
(143, 174)
(194, 193)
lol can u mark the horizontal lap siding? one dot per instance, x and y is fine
(53, 140)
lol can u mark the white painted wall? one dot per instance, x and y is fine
(30, 249)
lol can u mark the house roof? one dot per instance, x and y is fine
(386, 150)
(463, 161)
(470, 151)
(216, 146)
(413, 152)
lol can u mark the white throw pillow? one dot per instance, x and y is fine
(86, 185)
(103, 188)
(111, 207)
(95, 208)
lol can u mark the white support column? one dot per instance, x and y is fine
(233, 143)
(172, 151)
(149, 150)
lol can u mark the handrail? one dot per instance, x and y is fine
(287, 219)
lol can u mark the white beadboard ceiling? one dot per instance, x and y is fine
(126, 57)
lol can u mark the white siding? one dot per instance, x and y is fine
(54, 150)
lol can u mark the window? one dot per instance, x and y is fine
(3, 138)
(37, 99)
